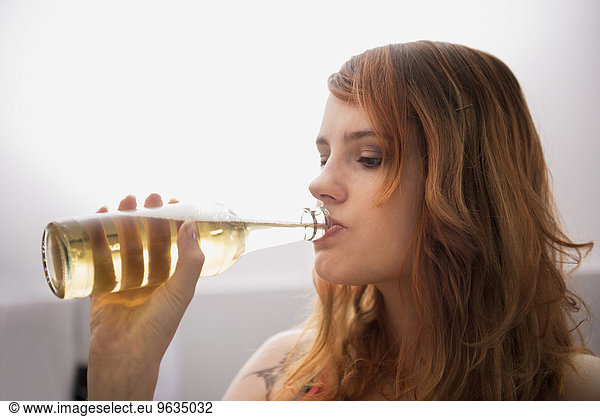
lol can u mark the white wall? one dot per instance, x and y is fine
(222, 101)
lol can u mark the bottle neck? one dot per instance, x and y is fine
(316, 221)
(313, 225)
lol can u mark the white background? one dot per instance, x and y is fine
(222, 100)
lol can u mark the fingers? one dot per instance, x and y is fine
(153, 200)
(128, 203)
(159, 243)
(182, 284)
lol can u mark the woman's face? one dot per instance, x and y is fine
(367, 244)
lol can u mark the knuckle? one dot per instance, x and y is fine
(195, 256)
(196, 263)
(192, 261)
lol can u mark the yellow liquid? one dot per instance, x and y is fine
(109, 253)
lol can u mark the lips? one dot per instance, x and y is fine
(334, 229)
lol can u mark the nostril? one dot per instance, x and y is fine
(326, 197)
(328, 187)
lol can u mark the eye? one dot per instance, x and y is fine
(370, 163)
(323, 160)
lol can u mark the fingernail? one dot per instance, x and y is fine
(194, 233)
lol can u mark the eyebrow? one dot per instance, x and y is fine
(349, 136)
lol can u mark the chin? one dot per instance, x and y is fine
(337, 275)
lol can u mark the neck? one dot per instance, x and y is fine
(399, 317)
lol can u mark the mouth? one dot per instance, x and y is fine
(335, 228)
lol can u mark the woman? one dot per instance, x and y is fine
(443, 276)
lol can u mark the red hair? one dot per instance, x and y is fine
(488, 255)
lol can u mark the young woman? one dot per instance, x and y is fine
(443, 275)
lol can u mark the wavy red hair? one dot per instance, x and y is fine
(488, 255)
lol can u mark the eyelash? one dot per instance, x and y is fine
(369, 163)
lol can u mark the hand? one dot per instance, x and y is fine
(131, 330)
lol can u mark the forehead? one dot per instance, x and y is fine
(340, 116)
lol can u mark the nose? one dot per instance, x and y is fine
(328, 186)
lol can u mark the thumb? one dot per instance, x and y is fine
(189, 265)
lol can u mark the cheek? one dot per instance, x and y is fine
(384, 251)
(387, 240)
(370, 257)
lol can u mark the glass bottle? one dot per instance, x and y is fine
(109, 252)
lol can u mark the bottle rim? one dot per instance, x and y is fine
(51, 243)
(317, 227)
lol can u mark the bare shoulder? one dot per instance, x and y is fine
(262, 375)
(583, 382)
